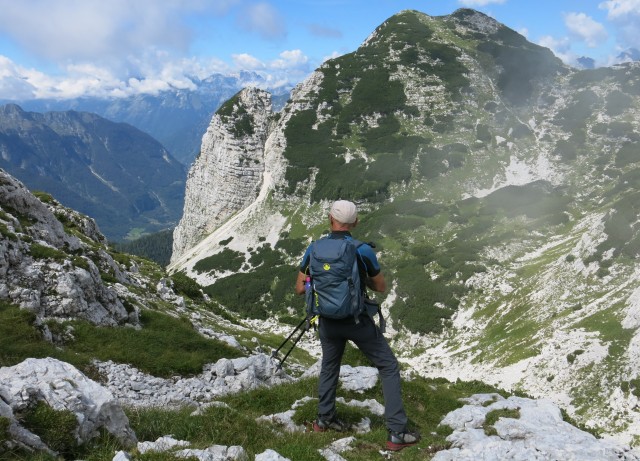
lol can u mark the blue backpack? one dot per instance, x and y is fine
(336, 292)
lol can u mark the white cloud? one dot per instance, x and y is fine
(333, 55)
(100, 30)
(104, 48)
(116, 48)
(264, 19)
(619, 9)
(474, 3)
(17, 83)
(290, 60)
(560, 47)
(247, 62)
(625, 14)
(585, 28)
(12, 83)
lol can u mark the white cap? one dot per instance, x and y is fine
(344, 211)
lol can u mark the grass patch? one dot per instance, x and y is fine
(4, 430)
(426, 402)
(226, 260)
(165, 346)
(38, 251)
(56, 428)
(608, 324)
(493, 416)
(183, 284)
(20, 339)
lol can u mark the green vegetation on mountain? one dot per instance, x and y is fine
(165, 346)
(155, 246)
(242, 120)
(384, 150)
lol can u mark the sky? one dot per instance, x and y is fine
(115, 48)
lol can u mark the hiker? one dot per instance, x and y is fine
(362, 331)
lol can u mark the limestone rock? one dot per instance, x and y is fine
(62, 387)
(215, 453)
(50, 272)
(227, 175)
(135, 388)
(539, 433)
(270, 455)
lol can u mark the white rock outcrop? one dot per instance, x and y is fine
(48, 271)
(226, 376)
(227, 174)
(538, 433)
(62, 387)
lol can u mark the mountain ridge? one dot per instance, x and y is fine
(176, 117)
(479, 161)
(111, 171)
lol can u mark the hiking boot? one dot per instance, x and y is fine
(398, 440)
(333, 424)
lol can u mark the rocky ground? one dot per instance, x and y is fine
(527, 429)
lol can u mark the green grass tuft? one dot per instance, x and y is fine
(56, 428)
(165, 346)
(494, 415)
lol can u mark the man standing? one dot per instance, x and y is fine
(334, 334)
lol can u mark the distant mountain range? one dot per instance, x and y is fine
(113, 172)
(176, 118)
(629, 55)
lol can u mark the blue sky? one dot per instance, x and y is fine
(71, 48)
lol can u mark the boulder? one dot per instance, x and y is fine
(62, 387)
(538, 432)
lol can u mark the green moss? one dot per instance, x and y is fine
(81, 262)
(38, 251)
(575, 115)
(56, 428)
(522, 63)
(235, 111)
(44, 197)
(571, 357)
(5, 232)
(4, 430)
(493, 416)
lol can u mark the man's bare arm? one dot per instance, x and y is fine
(376, 283)
(299, 288)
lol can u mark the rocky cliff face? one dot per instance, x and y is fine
(227, 174)
(49, 270)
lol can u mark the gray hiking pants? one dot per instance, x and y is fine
(334, 335)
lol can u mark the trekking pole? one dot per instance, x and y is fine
(306, 328)
(275, 352)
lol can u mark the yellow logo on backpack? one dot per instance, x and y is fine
(326, 267)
